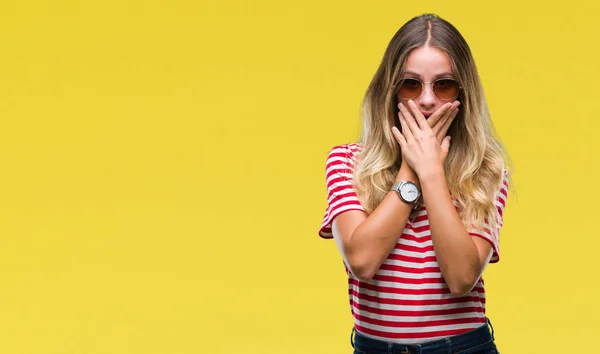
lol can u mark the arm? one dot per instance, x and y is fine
(366, 241)
(461, 257)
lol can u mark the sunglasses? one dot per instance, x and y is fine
(444, 89)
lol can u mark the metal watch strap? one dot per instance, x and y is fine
(396, 188)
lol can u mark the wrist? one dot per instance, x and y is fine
(432, 174)
(406, 173)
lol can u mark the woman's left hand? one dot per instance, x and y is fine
(420, 146)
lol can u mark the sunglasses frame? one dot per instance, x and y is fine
(432, 87)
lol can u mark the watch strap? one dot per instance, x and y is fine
(396, 188)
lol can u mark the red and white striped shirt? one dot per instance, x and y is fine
(407, 300)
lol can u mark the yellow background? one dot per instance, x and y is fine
(163, 170)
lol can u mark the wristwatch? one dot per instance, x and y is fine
(407, 191)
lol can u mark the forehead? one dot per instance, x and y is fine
(428, 62)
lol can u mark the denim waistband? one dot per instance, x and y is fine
(468, 340)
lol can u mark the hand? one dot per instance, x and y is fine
(420, 144)
(441, 119)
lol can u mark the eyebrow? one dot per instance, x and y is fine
(417, 75)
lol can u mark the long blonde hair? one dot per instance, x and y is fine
(476, 160)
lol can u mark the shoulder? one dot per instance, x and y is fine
(345, 152)
(505, 179)
(341, 159)
(505, 182)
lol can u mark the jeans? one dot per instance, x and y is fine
(476, 341)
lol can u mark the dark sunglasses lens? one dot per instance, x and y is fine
(446, 89)
(410, 88)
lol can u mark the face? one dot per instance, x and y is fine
(429, 64)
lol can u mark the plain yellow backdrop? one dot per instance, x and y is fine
(163, 170)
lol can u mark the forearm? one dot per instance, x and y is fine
(455, 250)
(375, 238)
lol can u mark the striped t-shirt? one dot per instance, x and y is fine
(407, 300)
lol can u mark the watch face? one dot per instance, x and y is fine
(409, 192)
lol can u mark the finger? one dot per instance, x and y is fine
(406, 132)
(438, 115)
(442, 128)
(419, 117)
(446, 143)
(447, 123)
(399, 138)
(438, 129)
(409, 119)
(442, 125)
(445, 147)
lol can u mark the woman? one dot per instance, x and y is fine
(416, 216)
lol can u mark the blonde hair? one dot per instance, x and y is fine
(476, 160)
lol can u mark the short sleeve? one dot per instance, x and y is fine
(493, 236)
(341, 196)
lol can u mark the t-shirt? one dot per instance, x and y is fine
(407, 300)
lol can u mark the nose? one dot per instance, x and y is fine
(427, 98)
